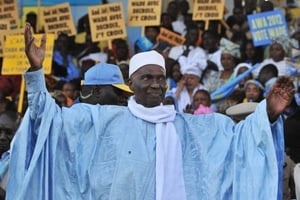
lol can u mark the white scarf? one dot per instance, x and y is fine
(169, 167)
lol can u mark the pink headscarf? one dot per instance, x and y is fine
(203, 110)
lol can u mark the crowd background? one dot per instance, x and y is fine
(208, 60)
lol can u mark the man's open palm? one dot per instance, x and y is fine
(280, 96)
(34, 53)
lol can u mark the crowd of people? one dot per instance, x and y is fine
(146, 88)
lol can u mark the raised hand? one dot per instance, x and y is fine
(180, 86)
(34, 53)
(280, 97)
(189, 109)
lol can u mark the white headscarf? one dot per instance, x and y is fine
(236, 69)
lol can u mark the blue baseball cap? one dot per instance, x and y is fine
(105, 74)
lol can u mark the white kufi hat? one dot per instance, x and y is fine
(145, 58)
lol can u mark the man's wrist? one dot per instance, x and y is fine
(33, 68)
(272, 115)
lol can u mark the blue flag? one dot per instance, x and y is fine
(228, 87)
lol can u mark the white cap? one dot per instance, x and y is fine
(191, 70)
(241, 65)
(242, 110)
(97, 57)
(145, 58)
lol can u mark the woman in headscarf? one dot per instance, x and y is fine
(240, 69)
(279, 51)
(253, 91)
(229, 55)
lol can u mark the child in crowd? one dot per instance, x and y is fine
(201, 103)
(173, 73)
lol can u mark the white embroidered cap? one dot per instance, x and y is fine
(191, 70)
(146, 58)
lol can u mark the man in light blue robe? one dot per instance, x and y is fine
(146, 150)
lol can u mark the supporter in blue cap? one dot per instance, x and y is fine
(103, 84)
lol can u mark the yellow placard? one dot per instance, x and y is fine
(172, 38)
(4, 27)
(33, 10)
(15, 61)
(3, 35)
(1, 45)
(9, 11)
(144, 12)
(208, 10)
(107, 22)
(58, 19)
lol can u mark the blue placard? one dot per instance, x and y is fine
(266, 26)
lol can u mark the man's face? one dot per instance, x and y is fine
(263, 76)
(151, 34)
(192, 37)
(7, 132)
(99, 94)
(191, 81)
(166, 21)
(250, 51)
(210, 43)
(252, 92)
(176, 74)
(69, 90)
(238, 14)
(149, 85)
(277, 53)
